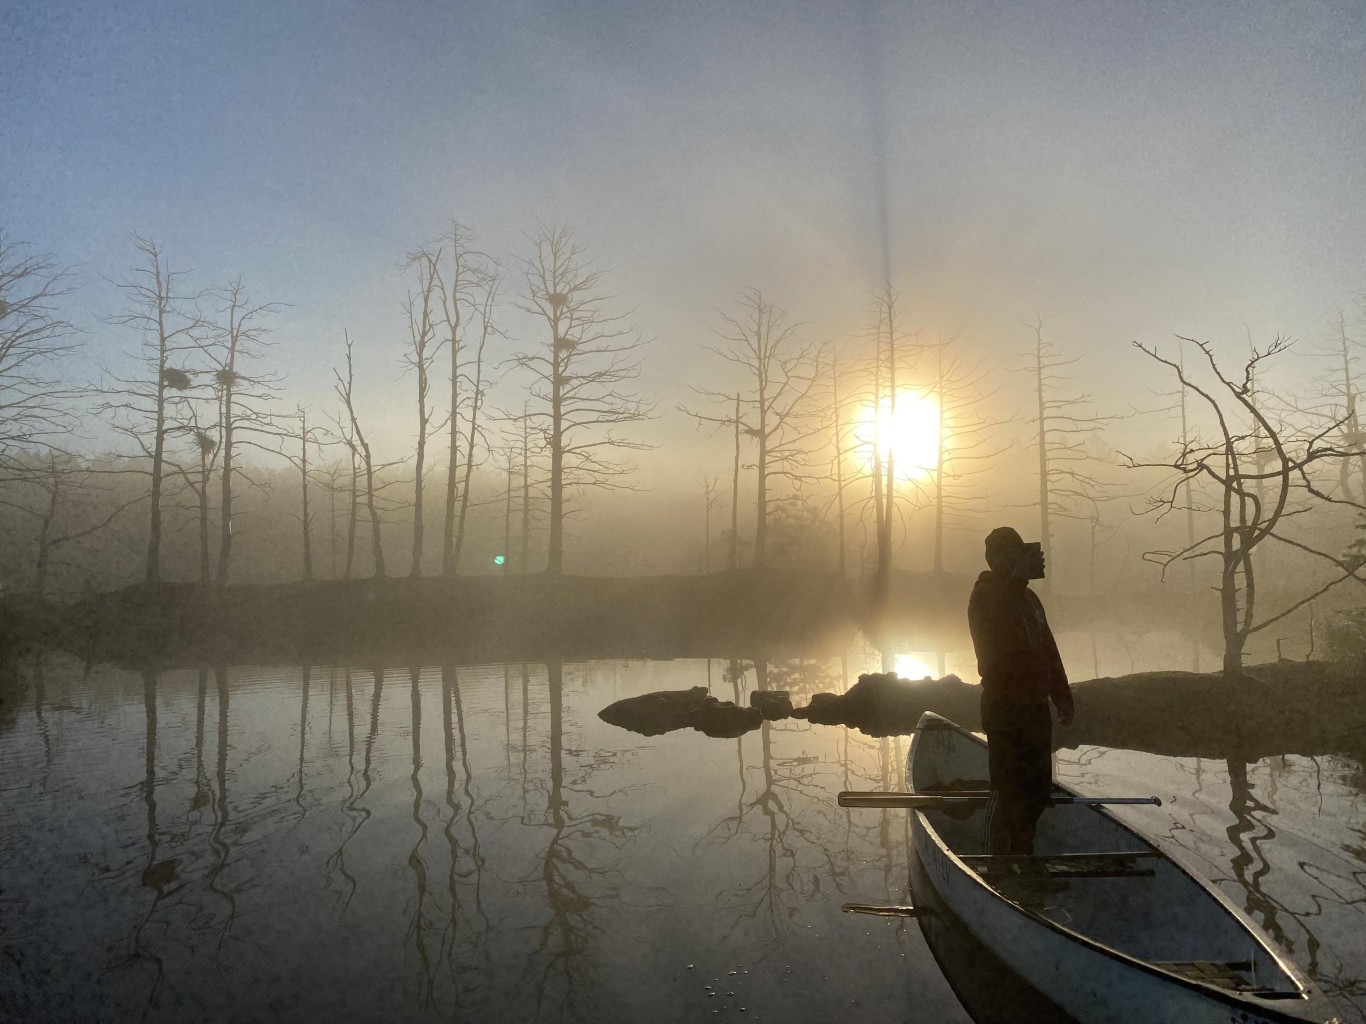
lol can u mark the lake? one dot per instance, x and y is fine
(359, 844)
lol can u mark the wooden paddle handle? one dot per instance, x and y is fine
(855, 798)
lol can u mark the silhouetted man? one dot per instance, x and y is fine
(1021, 671)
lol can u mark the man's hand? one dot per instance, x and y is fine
(1066, 713)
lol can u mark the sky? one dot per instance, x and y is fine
(1128, 170)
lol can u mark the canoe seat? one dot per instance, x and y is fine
(1230, 974)
(1122, 864)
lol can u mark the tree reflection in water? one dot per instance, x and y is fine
(465, 944)
(1251, 834)
(284, 877)
(337, 861)
(796, 821)
(578, 871)
(1263, 840)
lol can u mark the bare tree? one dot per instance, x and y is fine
(467, 290)
(484, 300)
(423, 346)
(579, 377)
(1340, 394)
(204, 447)
(888, 337)
(1063, 426)
(530, 497)
(337, 478)
(354, 438)
(33, 339)
(964, 440)
(306, 437)
(711, 498)
(781, 372)
(139, 405)
(65, 499)
(238, 337)
(1260, 475)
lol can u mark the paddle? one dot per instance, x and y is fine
(854, 798)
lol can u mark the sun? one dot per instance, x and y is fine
(909, 434)
(913, 666)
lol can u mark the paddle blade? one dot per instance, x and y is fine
(854, 798)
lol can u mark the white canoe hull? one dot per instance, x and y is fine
(1079, 955)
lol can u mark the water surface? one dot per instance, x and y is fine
(474, 843)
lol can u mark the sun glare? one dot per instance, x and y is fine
(910, 434)
(914, 666)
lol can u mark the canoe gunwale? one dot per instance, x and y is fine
(1307, 990)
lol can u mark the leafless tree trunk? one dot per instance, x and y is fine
(361, 448)
(1231, 463)
(1063, 425)
(305, 437)
(578, 377)
(33, 339)
(733, 551)
(763, 345)
(305, 516)
(239, 337)
(711, 497)
(466, 290)
(422, 350)
(839, 428)
(888, 326)
(507, 519)
(963, 442)
(526, 491)
(153, 310)
(65, 507)
(488, 292)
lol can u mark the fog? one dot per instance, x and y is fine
(708, 339)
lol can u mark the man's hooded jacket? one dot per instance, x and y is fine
(1017, 656)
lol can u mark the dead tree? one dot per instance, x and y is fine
(532, 503)
(354, 438)
(236, 338)
(1063, 426)
(1340, 394)
(139, 405)
(711, 497)
(204, 447)
(64, 497)
(774, 414)
(33, 339)
(484, 301)
(580, 377)
(307, 437)
(965, 440)
(423, 347)
(888, 337)
(1260, 475)
(335, 479)
(467, 288)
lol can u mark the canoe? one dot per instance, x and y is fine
(1099, 920)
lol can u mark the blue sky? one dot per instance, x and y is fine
(1129, 169)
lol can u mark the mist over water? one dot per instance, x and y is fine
(355, 844)
(376, 379)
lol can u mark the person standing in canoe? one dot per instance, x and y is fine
(1021, 672)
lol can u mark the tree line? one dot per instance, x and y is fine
(195, 434)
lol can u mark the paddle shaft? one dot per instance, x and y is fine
(852, 798)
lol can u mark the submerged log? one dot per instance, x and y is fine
(1282, 708)
(652, 714)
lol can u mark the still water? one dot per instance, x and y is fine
(338, 844)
